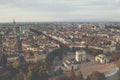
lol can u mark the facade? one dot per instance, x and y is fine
(39, 57)
(69, 66)
(29, 58)
(80, 56)
(102, 59)
(109, 49)
(117, 38)
(12, 59)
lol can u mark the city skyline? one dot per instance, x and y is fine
(63, 10)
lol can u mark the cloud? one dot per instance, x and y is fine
(59, 9)
(61, 5)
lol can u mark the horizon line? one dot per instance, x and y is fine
(88, 21)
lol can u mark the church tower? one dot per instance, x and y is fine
(14, 26)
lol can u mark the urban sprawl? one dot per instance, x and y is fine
(59, 51)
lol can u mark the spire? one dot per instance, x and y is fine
(14, 22)
(14, 26)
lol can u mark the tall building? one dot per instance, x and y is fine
(80, 56)
(20, 29)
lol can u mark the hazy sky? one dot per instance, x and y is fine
(59, 10)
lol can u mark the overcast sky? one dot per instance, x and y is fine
(59, 10)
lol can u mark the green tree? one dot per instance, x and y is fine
(3, 60)
(21, 75)
(29, 75)
(16, 64)
(6, 76)
(30, 72)
(59, 71)
(79, 76)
